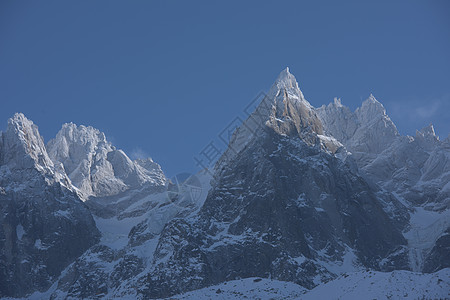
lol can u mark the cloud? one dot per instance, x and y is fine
(411, 114)
(428, 110)
(422, 109)
(138, 153)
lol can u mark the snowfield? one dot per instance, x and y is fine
(379, 285)
(248, 288)
(358, 285)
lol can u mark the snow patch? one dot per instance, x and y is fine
(20, 231)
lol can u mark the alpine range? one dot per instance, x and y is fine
(305, 203)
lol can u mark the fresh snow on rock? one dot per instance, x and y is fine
(96, 167)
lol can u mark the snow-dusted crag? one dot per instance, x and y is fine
(95, 167)
(44, 224)
(416, 170)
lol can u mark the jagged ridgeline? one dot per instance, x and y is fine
(302, 195)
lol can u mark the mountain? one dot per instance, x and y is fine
(304, 203)
(45, 225)
(96, 167)
(282, 206)
(415, 170)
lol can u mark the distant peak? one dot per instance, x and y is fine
(372, 99)
(286, 79)
(373, 105)
(428, 130)
(337, 102)
(285, 72)
(19, 118)
(18, 122)
(81, 133)
(23, 145)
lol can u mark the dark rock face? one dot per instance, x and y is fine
(439, 256)
(280, 209)
(91, 276)
(41, 234)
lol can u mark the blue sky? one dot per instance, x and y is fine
(165, 78)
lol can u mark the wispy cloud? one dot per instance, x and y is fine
(422, 108)
(429, 110)
(412, 114)
(138, 153)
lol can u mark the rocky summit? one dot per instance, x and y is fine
(304, 200)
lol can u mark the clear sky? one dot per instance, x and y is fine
(164, 78)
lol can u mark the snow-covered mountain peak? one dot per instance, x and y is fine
(85, 139)
(94, 165)
(285, 110)
(23, 153)
(337, 102)
(370, 109)
(286, 85)
(290, 113)
(427, 138)
(427, 131)
(286, 80)
(22, 146)
(372, 99)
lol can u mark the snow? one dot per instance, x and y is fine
(379, 285)
(38, 244)
(426, 227)
(20, 231)
(248, 288)
(115, 232)
(348, 264)
(63, 214)
(357, 285)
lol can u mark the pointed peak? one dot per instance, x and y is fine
(372, 100)
(286, 79)
(285, 72)
(22, 127)
(427, 131)
(23, 146)
(372, 106)
(337, 102)
(19, 116)
(19, 119)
